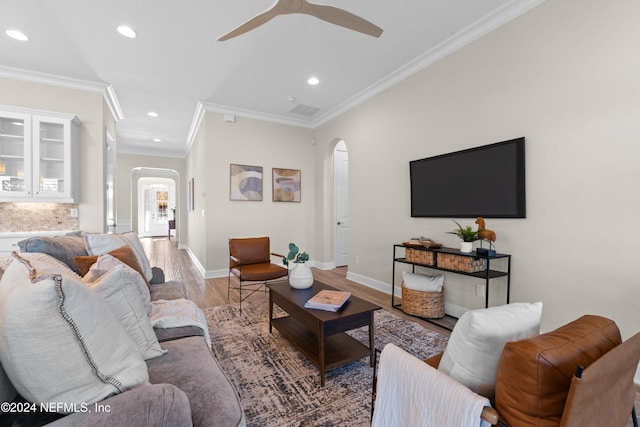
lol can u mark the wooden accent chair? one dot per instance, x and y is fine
(250, 262)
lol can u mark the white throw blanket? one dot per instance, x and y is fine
(411, 393)
(176, 313)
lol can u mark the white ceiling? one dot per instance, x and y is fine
(176, 65)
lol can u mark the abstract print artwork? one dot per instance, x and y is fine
(245, 182)
(286, 185)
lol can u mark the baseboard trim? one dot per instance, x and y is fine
(195, 260)
(323, 265)
(368, 281)
(450, 309)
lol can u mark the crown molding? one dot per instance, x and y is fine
(471, 33)
(203, 107)
(111, 99)
(139, 150)
(107, 90)
(195, 126)
(274, 118)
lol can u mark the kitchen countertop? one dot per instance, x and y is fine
(16, 234)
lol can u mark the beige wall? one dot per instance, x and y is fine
(565, 76)
(89, 107)
(250, 142)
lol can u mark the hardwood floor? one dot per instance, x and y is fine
(177, 265)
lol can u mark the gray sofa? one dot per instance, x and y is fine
(187, 386)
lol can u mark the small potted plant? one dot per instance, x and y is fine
(300, 275)
(467, 235)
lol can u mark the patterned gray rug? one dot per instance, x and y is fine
(279, 387)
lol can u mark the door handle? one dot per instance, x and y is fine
(339, 223)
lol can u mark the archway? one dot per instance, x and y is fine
(142, 178)
(156, 206)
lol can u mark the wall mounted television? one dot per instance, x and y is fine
(487, 181)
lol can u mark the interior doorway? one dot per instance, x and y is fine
(341, 203)
(156, 205)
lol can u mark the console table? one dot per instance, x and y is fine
(437, 259)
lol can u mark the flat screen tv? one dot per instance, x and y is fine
(487, 181)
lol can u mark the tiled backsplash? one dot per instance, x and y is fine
(16, 217)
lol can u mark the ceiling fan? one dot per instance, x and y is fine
(326, 13)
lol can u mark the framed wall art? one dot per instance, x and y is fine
(286, 185)
(245, 182)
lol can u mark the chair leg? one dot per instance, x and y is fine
(240, 291)
(634, 416)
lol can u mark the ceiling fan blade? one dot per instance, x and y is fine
(251, 24)
(342, 18)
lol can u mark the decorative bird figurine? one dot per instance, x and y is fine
(483, 233)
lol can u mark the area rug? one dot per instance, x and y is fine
(278, 386)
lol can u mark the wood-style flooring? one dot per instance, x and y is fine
(177, 265)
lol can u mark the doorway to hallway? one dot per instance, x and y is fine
(156, 205)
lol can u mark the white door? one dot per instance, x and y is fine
(157, 199)
(341, 202)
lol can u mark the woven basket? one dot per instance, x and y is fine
(423, 304)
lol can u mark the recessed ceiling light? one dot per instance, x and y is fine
(313, 81)
(17, 35)
(152, 114)
(157, 140)
(127, 31)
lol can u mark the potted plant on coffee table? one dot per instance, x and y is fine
(468, 236)
(300, 275)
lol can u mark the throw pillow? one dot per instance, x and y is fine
(99, 244)
(124, 254)
(423, 282)
(63, 248)
(129, 276)
(4, 263)
(47, 264)
(126, 303)
(61, 342)
(477, 340)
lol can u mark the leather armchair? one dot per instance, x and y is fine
(580, 374)
(250, 262)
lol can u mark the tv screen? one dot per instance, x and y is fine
(485, 181)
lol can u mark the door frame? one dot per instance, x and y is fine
(141, 172)
(337, 258)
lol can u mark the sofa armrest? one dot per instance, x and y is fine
(149, 405)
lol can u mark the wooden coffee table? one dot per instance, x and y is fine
(319, 334)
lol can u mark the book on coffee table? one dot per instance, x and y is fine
(328, 300)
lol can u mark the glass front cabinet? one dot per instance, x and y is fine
(37, 156)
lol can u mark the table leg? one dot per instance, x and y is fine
(321, 353)
(371, 340)
(270, 312)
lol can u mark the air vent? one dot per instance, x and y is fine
(305, 110)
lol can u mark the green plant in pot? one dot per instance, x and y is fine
(295, 255)
(300, 275)
(468, 236)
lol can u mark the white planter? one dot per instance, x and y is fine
(300, 275)
(465, 247)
